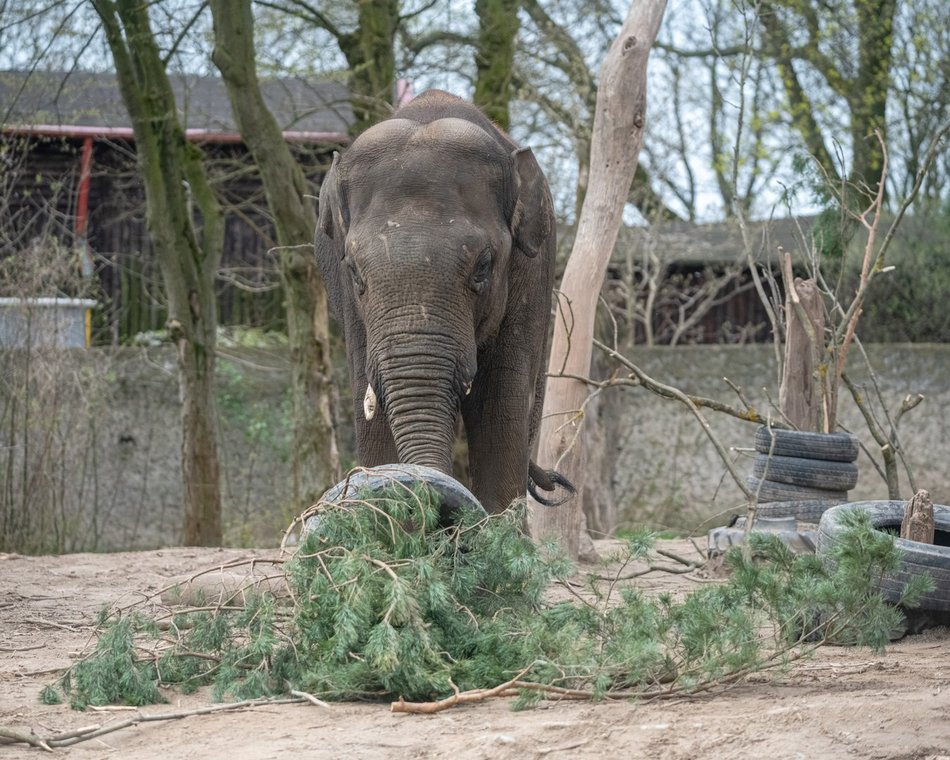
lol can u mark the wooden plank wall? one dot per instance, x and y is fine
(41, 201)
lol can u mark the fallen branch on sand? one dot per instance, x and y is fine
(18, 735)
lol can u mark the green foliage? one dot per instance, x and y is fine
(854, 613)
(50, 696)
(423, 605)
(390, 601)
(113, 674)
(831, 236)
(242, 407)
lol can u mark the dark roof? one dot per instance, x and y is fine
(92, 100)
(713, 243)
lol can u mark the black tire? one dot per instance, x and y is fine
(770, 490)
(455, 496)
(812, 473)
(807, 510)
(917, 558)
(834, 447)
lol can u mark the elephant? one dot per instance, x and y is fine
(436, 241)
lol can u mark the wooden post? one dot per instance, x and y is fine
(918, 523)
(800, 397)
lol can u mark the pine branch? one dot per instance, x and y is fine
(389, 603)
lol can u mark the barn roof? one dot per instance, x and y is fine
(700, 244)
(77, 102)
(713, 243)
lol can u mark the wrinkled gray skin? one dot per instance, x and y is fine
(436, 241)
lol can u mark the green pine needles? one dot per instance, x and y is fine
(387, 602)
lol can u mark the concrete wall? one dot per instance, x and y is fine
(102, 452)
(90, 447)
(663, 472)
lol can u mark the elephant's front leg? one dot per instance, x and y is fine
(497, 418)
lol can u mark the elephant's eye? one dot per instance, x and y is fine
(355, 275)
(482, 270)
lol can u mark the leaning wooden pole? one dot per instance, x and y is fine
(618, 134)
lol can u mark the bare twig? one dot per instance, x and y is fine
(22, 649)
(639, 378)
(53, 624)
(458, 698)
(75, 736)
(677, 558)
(647, 571)
(309, 698)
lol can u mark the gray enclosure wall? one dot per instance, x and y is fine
(662, 471)
(89, 442)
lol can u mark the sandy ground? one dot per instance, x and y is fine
(842, 703)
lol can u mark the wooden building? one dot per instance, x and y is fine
(680, 282)
(69, 187)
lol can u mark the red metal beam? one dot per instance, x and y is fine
(82, 212)
(82, 200)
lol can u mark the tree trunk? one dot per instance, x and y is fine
(371, 59)
(861, 80)
(617, 137)
(316, 460)
(868, 98)
(186, 228)
(494, 57)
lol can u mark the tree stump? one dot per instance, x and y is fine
(918, 523)
(799, 395)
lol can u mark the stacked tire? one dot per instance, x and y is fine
(801, 474)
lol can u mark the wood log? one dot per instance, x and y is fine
(800, 395)
(918, 522)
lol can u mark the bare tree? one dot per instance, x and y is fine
(186, 226)
(316, 456)
(821, 77)
(617, 136)
(494, 57)
(810, 35)
(365, 33)
(554, 73)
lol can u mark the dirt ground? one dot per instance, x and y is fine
(842, 703)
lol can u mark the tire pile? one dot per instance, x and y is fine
(916, 558)
(801, 474)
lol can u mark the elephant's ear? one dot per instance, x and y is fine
(330, 238)
(532, 221)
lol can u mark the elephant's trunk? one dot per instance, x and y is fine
(420, 383)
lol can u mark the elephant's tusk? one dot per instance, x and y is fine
(369, 403)
(467, 388)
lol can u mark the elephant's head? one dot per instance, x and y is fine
(426, 236)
